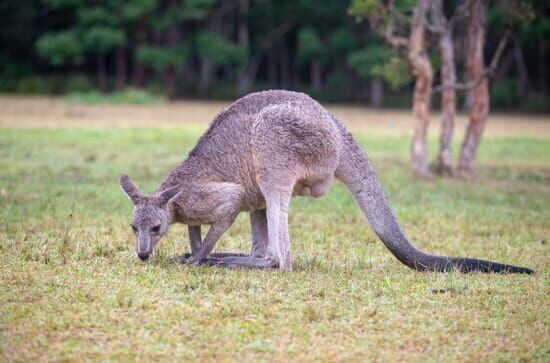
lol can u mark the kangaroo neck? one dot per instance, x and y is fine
(189, 172)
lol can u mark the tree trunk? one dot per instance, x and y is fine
(475, 68)
(205, 76)
(284, 66)
(521, 67)
(247, 79)
(243, 35)
(244, 42)
(172, 38)
(272, 68)
(139, 75)
(448, 96)
(422, 71)
(316, 74)
(101, 72)
(542, 66)
(251, 70)
(170, 81)
(121, 68)
(376, 94)
(296, 79)
(141, 37)
(504, 67)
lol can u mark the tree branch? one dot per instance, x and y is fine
(394, 13)
(436, 21)
(461, 11)
(395, 40)
(282, 29)
(488, 73)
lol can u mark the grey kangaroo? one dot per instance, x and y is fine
(257, 153)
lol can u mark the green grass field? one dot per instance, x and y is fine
(71, 288)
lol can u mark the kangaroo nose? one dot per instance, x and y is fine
(144, 256)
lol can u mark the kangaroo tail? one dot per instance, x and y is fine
(356, 172)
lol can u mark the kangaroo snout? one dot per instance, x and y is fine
(144, 256)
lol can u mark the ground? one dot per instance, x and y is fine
(71, 288)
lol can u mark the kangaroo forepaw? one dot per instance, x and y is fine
(205, 262)
(186, 257)
(246, 262)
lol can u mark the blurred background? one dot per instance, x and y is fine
(335, 50)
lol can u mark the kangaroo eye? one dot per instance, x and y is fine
(156, 229)
(134, 228)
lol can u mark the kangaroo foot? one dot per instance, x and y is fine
(246, 262)
(184, 258)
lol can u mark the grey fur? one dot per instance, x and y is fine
(258, 153)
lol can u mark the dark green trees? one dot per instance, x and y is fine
(214, 48)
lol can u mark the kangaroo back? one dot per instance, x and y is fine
(356, 172)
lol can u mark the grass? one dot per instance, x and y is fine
(127, 96)
(71, 288)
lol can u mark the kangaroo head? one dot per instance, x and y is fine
(150, 218)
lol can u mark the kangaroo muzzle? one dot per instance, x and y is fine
(144, 248)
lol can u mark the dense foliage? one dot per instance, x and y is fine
(212, 48)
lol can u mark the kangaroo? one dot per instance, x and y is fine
(256, 155)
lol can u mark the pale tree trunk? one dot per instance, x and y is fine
(467, 105)
(475, 68)
(448, 95)
(422, 71)
(376, 92)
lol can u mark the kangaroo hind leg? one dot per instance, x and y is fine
(278, 247)
(277, 250)
(258, 227)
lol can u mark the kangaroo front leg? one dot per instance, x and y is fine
(195, 238)
(196, 242)
(256, 259)
(214, 233)
(278, 247)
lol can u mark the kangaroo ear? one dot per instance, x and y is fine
(168, 194)
(132, 191)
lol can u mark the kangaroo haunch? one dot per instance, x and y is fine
(257, 153)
